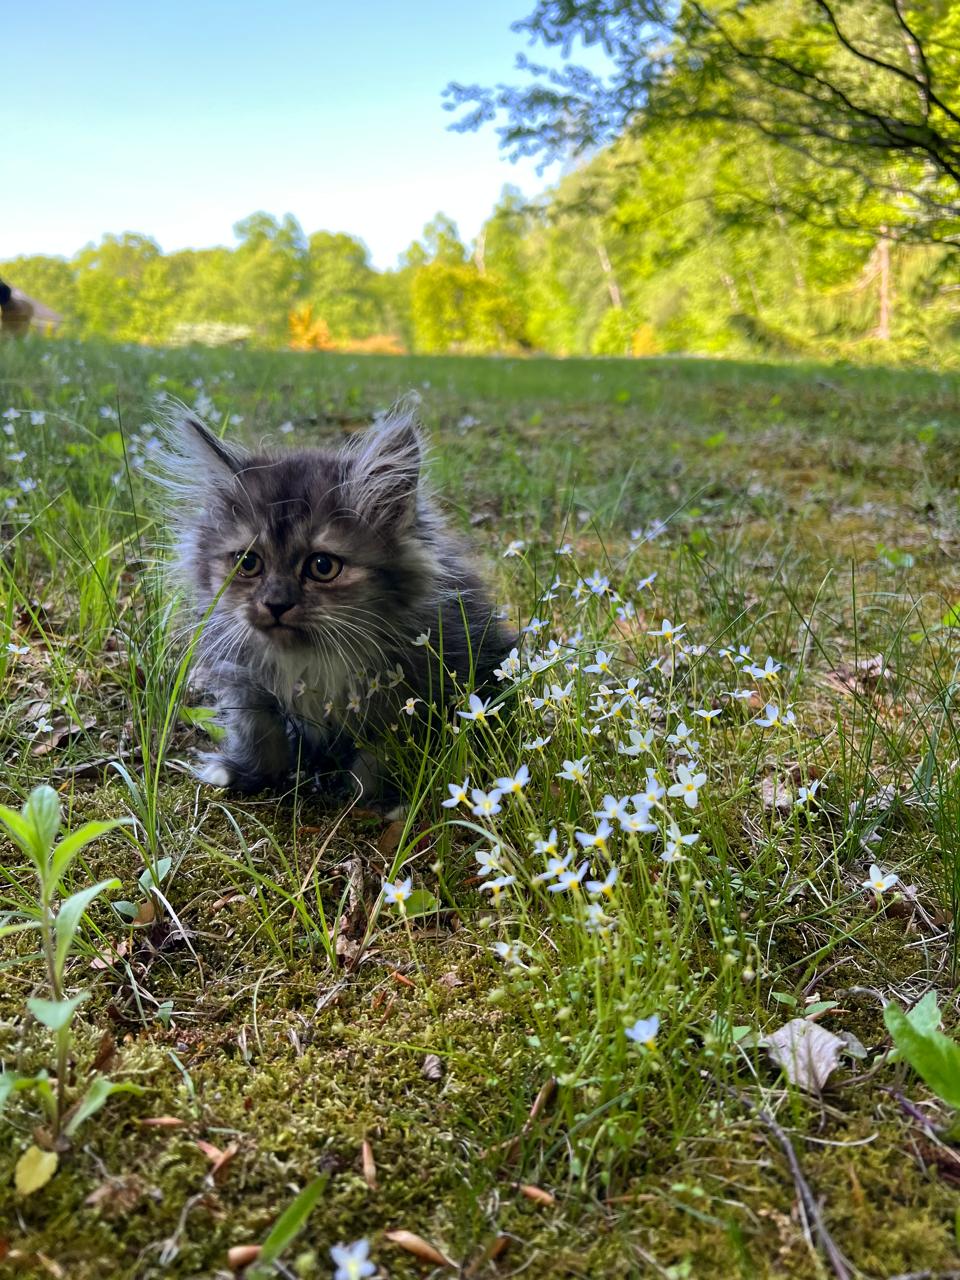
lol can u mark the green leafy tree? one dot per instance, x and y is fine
(110, 280)
(341, 285)
(865, 92)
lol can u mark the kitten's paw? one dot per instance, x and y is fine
(395, 813)
(214, 771)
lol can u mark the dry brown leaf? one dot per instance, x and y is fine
(419, 1247)
(106, 1052)
(776, 795)
(369, 1165)
(535, 1193)
(807, 1052)
(865, 673)
(63, 728)
(162, 1122)
(347, 949)
(116, 1196)
(146, 912)
(222, 902)
(432, 1068)
(241, 1255)
(450, 980)
(490, 1253)
(390, 838)
(219, 1160)
(109, 955)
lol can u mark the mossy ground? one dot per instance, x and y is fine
(789, 487)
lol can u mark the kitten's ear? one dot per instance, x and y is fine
(194, 458)
(198, 443)
(386, 471)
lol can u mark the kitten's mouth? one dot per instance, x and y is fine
(280, 632)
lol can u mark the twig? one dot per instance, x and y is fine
(808, 1201)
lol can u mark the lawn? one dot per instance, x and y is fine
(743, 575)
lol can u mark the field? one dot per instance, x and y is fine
(462, 1070)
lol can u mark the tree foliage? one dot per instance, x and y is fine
(864, 93)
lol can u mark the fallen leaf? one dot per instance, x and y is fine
(879, 802)
(241, 1255)
(63, 728)
(369, 1165)
(219, 1160)
(390, 838)
(106, 1053)
(116, 1196)
(450, 980)
(34, 1170)
(535, 1193)
(776, 795)
(146, 912)
(402, 979)
(807, 1052)
(347, 949)
(231, 897)
(865, 673)
(110, 955)
(492, 1251)
(419, 1247)
(432, 1068)
(162, 1122)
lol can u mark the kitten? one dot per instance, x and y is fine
(336, 562)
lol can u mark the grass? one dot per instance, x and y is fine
(274, 1006)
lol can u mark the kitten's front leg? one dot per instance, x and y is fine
(256, 752)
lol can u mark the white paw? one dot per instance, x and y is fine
(215, 774)
(396, 813)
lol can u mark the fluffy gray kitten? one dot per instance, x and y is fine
(336, 562)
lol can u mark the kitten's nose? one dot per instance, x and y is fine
(279, 608)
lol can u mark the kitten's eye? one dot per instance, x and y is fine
(323, 568)
(249, 564)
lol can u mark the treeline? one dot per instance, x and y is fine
(666, 243)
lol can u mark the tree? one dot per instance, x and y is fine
(865, 92)
(340, 285)
(110, 281)
(269, 267)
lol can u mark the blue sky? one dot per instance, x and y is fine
(180, 118)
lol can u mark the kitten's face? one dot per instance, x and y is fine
(317, 549)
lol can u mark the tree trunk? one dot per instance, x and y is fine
(611, 280)
(886, 301)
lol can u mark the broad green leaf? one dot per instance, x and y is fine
(70, 913)
(55, 1014)
(22, 833)
(71, 844)
(420, 903)
(7, 929)
(952, 617)
(8, 1080)
(34, 1170)
(12, 1082)
(934, 1056)
(153, 877)
(289, 1225)
(204, 718)
(924, 1017)
(93, 1100)
(42, 812)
